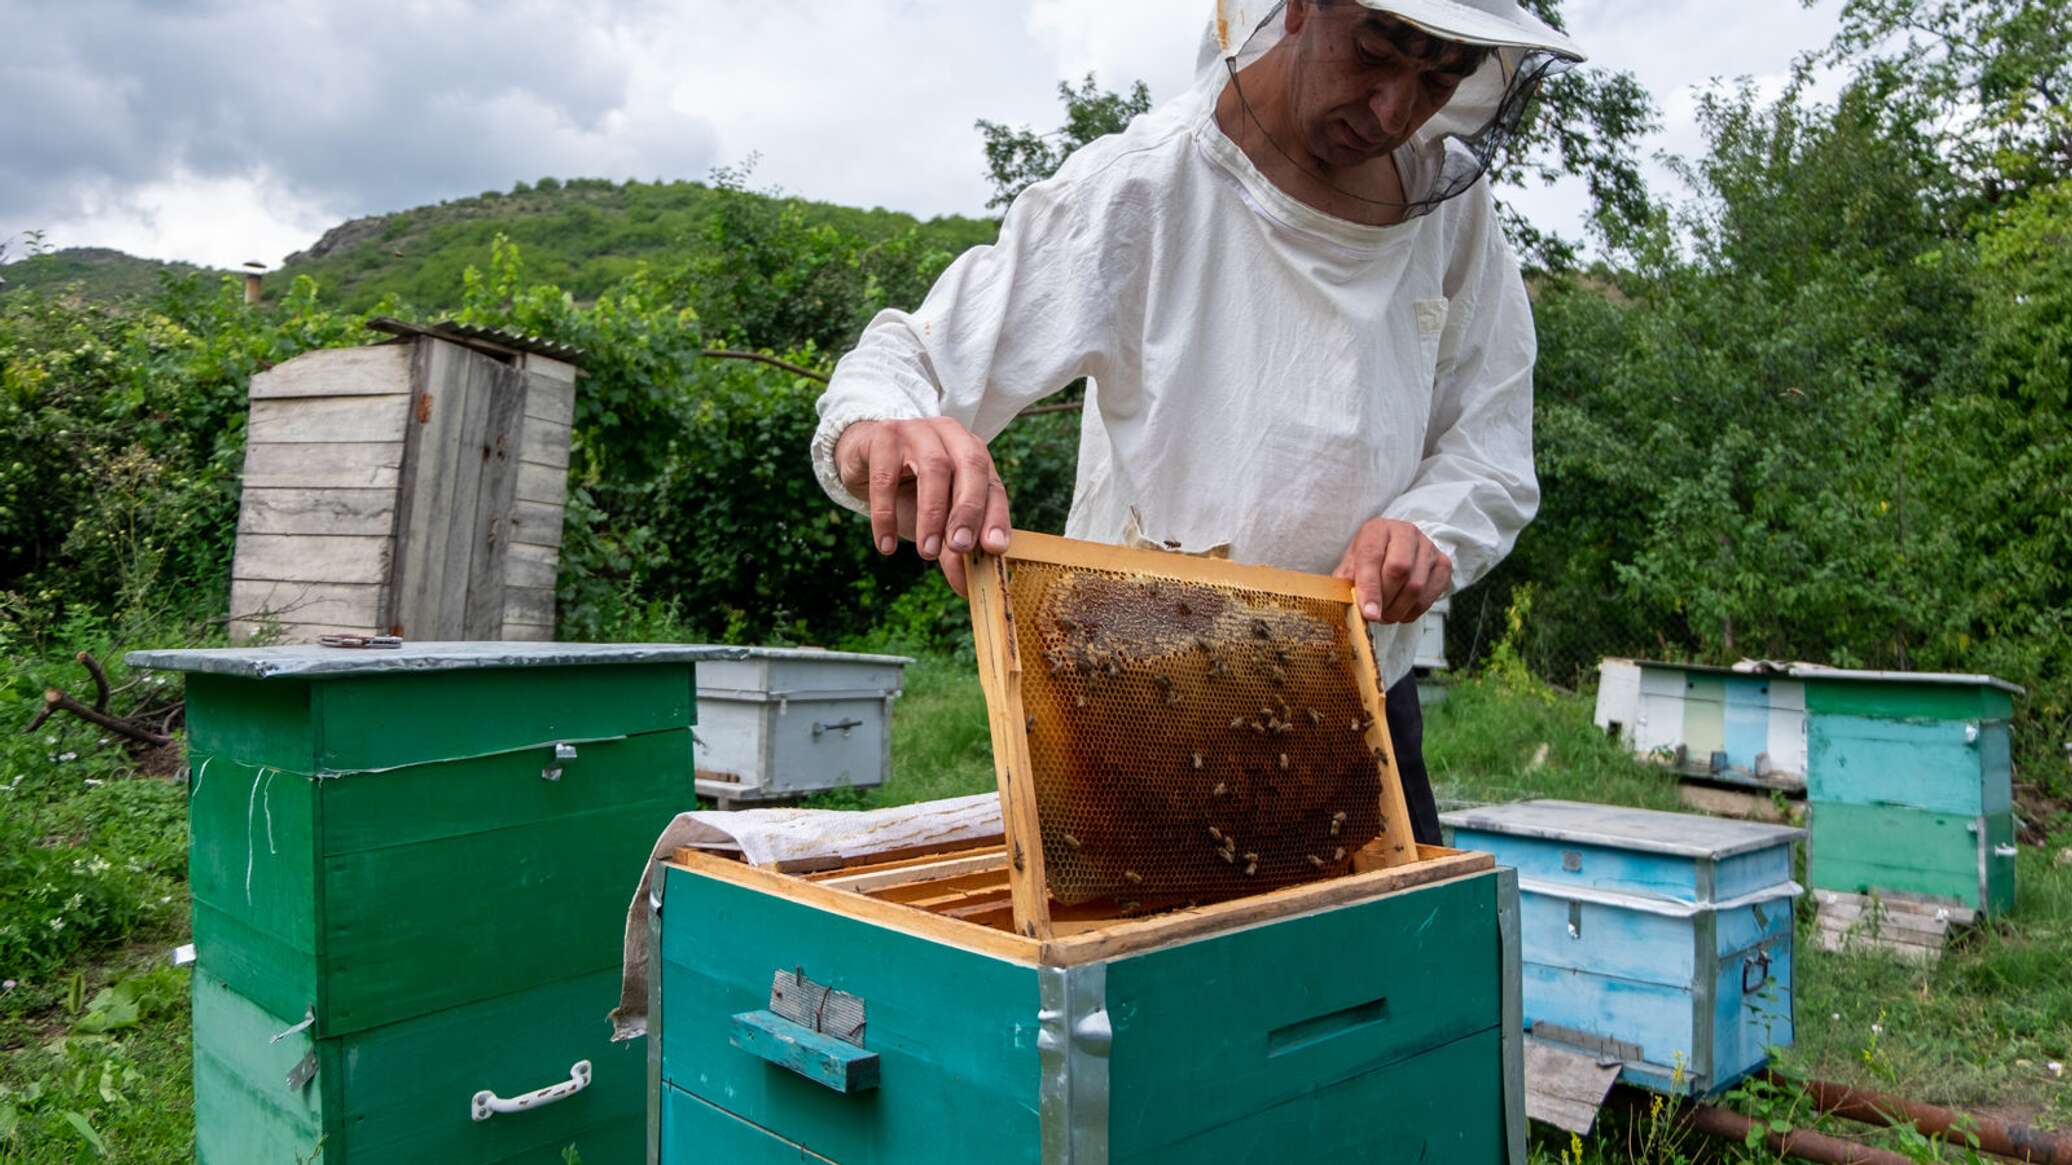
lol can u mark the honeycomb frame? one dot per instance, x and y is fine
(1170, 730)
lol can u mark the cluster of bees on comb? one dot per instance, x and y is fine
(1190, 742)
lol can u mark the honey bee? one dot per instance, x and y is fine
(1315, 717)
(1130, 907)
(1069, 840)
(1228, 855)
(1338, 854)
(1133, 877)
(1237, 722)
(1251, 868)
(1196, 758)
(1314, 860)
(1251, 859)
(1337, 822)
(1079, 701)
(1284, 760)
(1030, 724)
(1220, 789)
(1216, 833)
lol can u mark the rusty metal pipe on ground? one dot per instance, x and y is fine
(1799, 1143)
(1998, 1137)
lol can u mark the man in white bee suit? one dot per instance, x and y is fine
(1304, 336)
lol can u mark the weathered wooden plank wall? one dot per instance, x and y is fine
(416, 488)
(323, 452)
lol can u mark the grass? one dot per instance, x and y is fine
(94, 1034)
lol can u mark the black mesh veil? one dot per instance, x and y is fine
(1452, 150)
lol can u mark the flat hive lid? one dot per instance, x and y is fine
(311, 660)
(1690, 835)
(818, 655)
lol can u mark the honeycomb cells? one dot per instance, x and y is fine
(1190, 741)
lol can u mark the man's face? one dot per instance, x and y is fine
(1365, 81)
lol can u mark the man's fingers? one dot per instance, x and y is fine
(997, 522)
(953, 571)
(973, 481)
(884, 474)
(933, 470)
(1367, 555)
(1396, 564)
(1410, 602)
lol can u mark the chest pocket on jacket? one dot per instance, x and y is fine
(1431, 324)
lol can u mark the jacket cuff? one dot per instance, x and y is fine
(833, 424)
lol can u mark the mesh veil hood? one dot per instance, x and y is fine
(1452, 150)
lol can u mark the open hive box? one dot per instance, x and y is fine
(1204, 933)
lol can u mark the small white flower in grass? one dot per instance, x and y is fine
(65, 756)
(50, 740)
(2056, 1069)
(57, 924)
(1836, 1017)
(8, 985)
(1877, 1029)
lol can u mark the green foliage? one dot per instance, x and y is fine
(1018, 158)
(1996, 76)
(120, 489)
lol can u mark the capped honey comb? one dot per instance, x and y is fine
(1189, 741)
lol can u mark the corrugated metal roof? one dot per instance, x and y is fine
(476, 336)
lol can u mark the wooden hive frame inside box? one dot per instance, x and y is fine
(1007, 679)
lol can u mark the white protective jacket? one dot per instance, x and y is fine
(1261, 374)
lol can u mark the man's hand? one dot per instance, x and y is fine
(1397, 573)
(931, 482)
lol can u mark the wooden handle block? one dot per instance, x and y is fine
(821, 1058)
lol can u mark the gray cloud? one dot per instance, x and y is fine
(363, 106)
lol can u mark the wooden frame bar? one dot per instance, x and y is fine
(1000, 674)
(1095, 940)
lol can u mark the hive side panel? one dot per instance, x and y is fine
(1209, 1031)
(955, 1031)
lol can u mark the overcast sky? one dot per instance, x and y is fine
(218, 131)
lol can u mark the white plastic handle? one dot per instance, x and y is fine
(488, 1104)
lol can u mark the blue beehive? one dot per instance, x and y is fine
(1661, 939)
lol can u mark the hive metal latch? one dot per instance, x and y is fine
(821, 727)
(563, 751)
(487, 1104)
(1759, 963)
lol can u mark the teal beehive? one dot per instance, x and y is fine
(1662, 940)
(1910, 785)
(406, 869)
(1370, 1017)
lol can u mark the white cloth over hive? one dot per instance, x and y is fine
(769, 837)
(1261, 374)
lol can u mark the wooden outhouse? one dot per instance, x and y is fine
(1910, 785)
(409, 875)
(413, 487)
(1660, 940)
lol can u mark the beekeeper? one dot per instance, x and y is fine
(1304, 337)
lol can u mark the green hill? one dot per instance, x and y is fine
(99, 272)
(583, 234)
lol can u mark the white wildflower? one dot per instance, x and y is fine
(57, 924)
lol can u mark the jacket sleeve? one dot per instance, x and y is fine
(1005, 326)
(1475, 489)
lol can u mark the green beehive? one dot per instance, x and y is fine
(409, 869)
(1910, 785)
